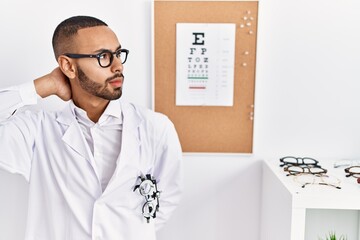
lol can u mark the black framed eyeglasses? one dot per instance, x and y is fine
(105, 58)
(353, 171)
(289, 160)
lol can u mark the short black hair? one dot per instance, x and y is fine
(68, 28)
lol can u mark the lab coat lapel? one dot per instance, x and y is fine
(131, 134)
(130, 149)
(73, 136)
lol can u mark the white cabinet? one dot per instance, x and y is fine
(285, 203)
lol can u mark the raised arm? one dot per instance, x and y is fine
(15, 97)
(54, 83)
(17, 132)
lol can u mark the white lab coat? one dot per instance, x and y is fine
(65, 197)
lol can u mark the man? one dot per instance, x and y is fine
(101, 168)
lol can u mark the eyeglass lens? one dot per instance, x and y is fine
(105, 58)
(146, 187)
(149, 209)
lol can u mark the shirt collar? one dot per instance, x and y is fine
(112, 111)
(112, 114)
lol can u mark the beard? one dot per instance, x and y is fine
(98, 89)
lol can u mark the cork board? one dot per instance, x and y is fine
(206, 128)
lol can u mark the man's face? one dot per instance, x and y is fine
(105, 83)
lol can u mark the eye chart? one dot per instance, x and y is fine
(205, 55)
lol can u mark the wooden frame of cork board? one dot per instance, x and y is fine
(207, 129)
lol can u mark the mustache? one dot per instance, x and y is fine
(117, 75)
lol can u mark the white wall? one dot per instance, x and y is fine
(307, 90)
(307, 100)
(221, 201)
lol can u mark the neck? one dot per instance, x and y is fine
(93, 106)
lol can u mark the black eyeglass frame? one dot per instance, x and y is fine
(98, 56)
(305, 169)
(351, 173)
(299, 161)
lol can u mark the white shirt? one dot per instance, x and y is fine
(66, 197)
(103, 138)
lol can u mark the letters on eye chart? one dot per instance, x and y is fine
(205, 56)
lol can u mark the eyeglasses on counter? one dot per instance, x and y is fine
(307, 171)
(353, 171)
(289, 160)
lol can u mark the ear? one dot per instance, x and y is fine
(67, 66)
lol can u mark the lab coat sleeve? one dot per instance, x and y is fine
(168, 172)
(17, 131)
(15, 97)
